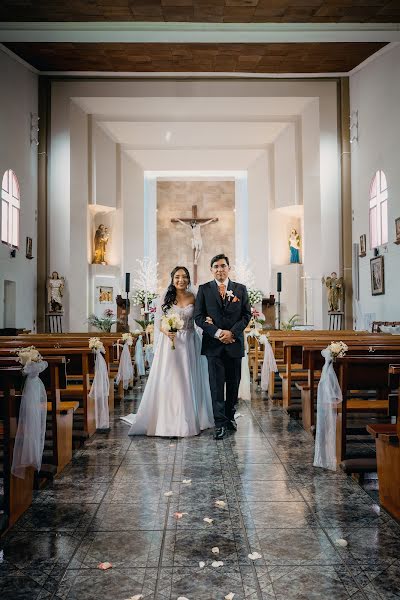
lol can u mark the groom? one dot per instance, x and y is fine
(223, 312)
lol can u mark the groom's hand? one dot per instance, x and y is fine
(226, 337)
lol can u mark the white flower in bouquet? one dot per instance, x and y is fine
(338, 349)
(173, 323)
(95, 344)
(255, 296)
(127, 338)
(28, 355)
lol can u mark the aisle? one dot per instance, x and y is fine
(110, 505)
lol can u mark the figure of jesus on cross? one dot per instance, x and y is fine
(195, 224)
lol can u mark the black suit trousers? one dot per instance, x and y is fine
(223, 369)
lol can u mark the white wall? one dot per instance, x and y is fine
(19, 98)
(104, 168)
(285, 168)
(375, 93)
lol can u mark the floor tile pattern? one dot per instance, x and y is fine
(110, 505)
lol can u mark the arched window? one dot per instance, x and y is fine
(10, 204)
(378, 211)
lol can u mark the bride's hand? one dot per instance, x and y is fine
(209, 321)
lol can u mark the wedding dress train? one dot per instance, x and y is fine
(176, 401)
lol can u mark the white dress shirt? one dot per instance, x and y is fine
(225, 283)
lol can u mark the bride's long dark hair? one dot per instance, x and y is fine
(170, 296)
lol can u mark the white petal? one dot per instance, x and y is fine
(202, 564)
(182, 598)
(104, 566)
(217, 563)
(137, 597)
(215, 550)
(254, 556)
(220, 503)
(208, 520)
(237, 415)
(229, 596)
(168, 494)
(341, 542)
(187, 481)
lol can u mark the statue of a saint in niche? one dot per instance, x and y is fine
(294, 246)
(55, 292)
(334, 286)
(100, 242)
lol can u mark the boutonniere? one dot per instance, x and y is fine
(231, 297)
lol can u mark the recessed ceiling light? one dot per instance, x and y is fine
(168, 136)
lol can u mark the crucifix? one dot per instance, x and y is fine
(195, 224)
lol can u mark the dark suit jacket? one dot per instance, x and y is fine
(227, 314)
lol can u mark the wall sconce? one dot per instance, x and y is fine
(35, 129)
(353, 126)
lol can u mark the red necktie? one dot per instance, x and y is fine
(222, 290)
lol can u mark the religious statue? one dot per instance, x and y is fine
(294, 246)
(197, 241)
(55, 292)
(100, 242)
(334, 285)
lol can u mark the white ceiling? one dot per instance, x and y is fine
(194, 133)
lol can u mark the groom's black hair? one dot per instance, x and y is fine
(219, 257)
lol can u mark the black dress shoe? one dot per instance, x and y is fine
(231, 426)
(219, 433)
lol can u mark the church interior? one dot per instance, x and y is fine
(142, 135)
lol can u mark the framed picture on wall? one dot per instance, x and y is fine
(363, 245)
(377, 275)
(105, 295)
(397, 227)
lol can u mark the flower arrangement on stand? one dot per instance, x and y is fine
(127, 338)
(105, 322)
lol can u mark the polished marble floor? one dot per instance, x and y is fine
(110, 505)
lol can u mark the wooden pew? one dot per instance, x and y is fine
(313, 362)
(78, 361)
(387, 441)
(293, 354)
(361, 372)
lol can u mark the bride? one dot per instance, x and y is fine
(176, 401)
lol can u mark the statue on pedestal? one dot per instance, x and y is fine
(55, 292)
(334, 286)
(100, 242)
(294, 246)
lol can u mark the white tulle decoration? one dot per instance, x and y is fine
(328, 397)
(269, 363)
(99, 391)
(29, 441)
(244, 387)
(139, 357)
(125, 368)
(149, 354)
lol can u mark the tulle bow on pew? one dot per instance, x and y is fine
(100, 391)
(125, 368)
(149, 354)
(269, 363)
(328, 397)
(244, 387)
(29, 440)
(139, 356)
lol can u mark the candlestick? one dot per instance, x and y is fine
(127, 282)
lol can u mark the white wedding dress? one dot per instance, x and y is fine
(176, 401)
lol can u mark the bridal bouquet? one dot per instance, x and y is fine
(173, 323)
(95, 343)
(337, 349)
(28, 355)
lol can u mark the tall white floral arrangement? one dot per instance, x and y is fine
(244, 274)
(145, 281)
